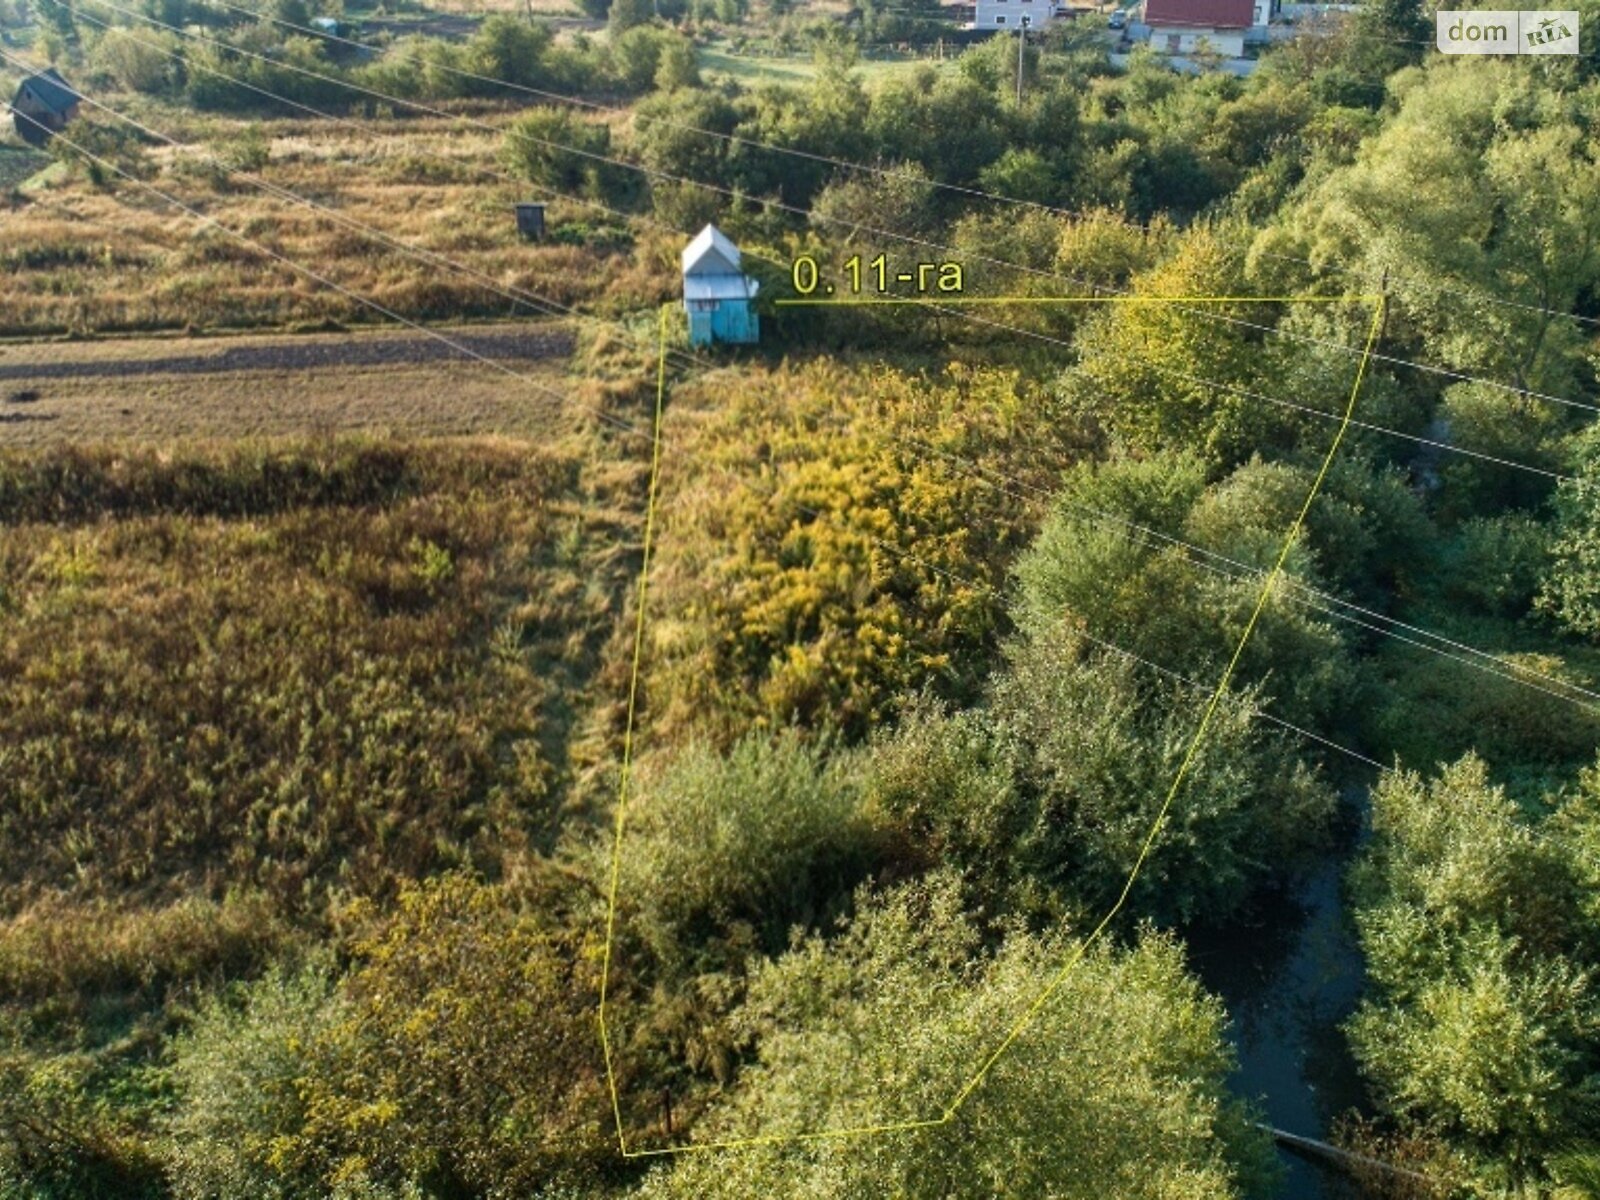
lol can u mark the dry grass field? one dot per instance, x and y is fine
(407, 13)
(158, 389)
(78, 258)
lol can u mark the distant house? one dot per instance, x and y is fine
(719, 298)
(43, 105)
(1194, 26)
(1009, 14)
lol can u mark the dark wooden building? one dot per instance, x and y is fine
(43, 105)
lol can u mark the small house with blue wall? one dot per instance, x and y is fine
(719, 298)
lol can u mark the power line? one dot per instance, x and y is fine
(735, 139)
(732, 193)
(440, 258)
(348, 293)
(620, 423)
(313, 275)
(1078, 629)
(1253, 395)
(952, 311)
(949, 310)
(1313, 598)
(628, 427)
(515, 295)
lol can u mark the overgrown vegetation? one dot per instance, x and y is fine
(312, 748)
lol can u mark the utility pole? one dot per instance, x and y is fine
(1022, 42)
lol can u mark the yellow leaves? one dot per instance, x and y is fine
(463, 1036)
(823, 570)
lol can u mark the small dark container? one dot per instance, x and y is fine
(530, 221)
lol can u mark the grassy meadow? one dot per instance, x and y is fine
(19, 163)
(367, 638)
(245, 684)
(78, 258)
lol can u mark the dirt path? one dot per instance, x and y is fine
(307, 352)
(156, 389)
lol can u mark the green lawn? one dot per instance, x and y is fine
(18, 163)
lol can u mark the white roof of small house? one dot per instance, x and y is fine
(719, 287)
(711, 253)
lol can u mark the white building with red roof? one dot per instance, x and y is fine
(1205, 26)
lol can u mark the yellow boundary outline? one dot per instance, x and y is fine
(1021, 1024)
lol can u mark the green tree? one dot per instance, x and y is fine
(947, 121)
(636, 55)
(992, 64)
(556, 149)
(858, 202)
(505, 48)
(1571, 587)
(666, 137)
(624, 15)
(1531, 737)
(1388, 35)
(1169, 375)
(1484, 1021)
(773, 835)
(1497, 563)
(1488, 420)
(1022, 175)
(1115, 1088)
(1146, 591)
(136, 62)
(679, 65)
(1046, 795)
(1483, 187)
(56, 16)
(237, 1072)
(1100, 248)
(826, 119)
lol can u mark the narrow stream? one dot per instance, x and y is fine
(1290, 973)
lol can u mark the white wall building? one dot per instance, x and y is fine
(1008, 14)
(1204, 26)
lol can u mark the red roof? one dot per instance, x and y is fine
(1207, 14)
